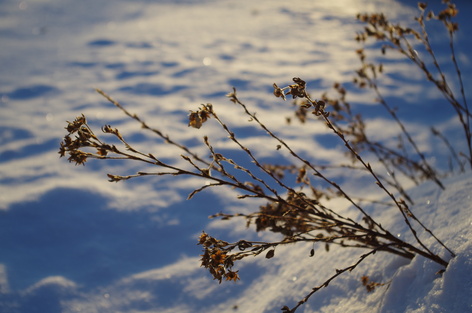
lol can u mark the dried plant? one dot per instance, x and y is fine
(292, 213)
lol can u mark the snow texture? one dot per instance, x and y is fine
(72, 242)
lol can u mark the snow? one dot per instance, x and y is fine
(72, 242)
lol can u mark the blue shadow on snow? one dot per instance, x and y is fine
(71, 233)
(31, 92)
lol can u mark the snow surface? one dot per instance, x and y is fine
(71, 242)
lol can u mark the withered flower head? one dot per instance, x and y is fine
(203, 238)
(298, 89)
(63, 148)
(197, 118)
(218, 257)
(422, 6)
(74, 126)
(279, 92)
(77, 156)
(448, 13)
(232, 276)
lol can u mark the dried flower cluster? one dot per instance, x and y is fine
(84, 137)
(216, 259)
(196, 119)
(407, 41)
(300, 212)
